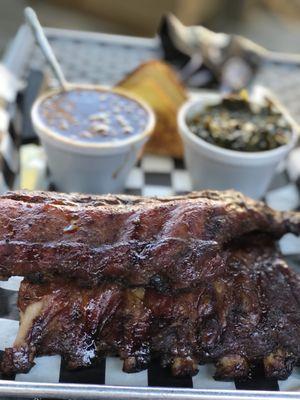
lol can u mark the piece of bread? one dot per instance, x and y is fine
(158, 85)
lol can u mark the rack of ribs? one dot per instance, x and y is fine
(248, 314)
(175, 242)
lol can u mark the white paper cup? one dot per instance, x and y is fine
(213, 167)
(90, 167)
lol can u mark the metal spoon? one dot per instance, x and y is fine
(37, 30)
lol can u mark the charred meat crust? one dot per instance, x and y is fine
(250, 314)
(92, 239)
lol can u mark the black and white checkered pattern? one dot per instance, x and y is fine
(158, 176)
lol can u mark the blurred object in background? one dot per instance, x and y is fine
(207, 58)
(157, 84)
(108, 59)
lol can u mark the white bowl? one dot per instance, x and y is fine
(213, 167)
(90, 167)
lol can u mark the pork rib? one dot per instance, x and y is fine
(175, 241)
(248, 315)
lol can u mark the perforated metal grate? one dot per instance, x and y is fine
(93, 60)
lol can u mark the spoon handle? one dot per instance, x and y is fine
(37, 30)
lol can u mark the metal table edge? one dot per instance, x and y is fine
(97, 392)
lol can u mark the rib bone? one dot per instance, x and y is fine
(248, 315)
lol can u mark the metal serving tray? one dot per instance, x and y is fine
(105, 59)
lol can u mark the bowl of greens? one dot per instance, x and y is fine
(235, 141)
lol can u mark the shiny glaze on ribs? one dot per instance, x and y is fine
(250, 314)
(172, 242)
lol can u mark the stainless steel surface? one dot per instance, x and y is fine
(42, 41)
(94, 392)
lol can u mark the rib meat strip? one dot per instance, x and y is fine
(249, 315)
(171, 242)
